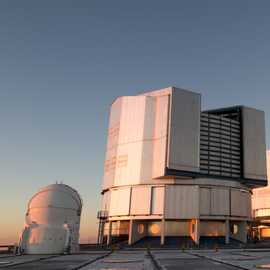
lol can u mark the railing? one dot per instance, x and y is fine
(102, 214)
(262, 212)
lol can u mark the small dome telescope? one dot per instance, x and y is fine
(52, 221)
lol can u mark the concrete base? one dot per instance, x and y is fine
(195, 229)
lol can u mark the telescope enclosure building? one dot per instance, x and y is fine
(52, 221)
(173, 170)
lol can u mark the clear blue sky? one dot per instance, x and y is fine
(63, 62)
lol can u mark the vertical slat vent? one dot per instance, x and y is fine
(220, 146)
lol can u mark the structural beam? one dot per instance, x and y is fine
(227, 231)
(162, 234)
(109, 237)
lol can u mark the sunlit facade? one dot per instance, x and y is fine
(173, 170)
(261, 207)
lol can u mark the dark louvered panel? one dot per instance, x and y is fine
(220, 149)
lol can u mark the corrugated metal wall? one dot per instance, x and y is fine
(205, 201)
(240, 203)
(220, 202)
(181, 202)
(225, 202)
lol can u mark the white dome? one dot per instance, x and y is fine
(52, 221)
(58, 196)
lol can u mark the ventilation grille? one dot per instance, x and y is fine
(220, 146)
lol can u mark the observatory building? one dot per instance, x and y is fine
(261, 207)
(52, 221)
(173, 170)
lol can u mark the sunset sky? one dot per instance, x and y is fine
(63, 62)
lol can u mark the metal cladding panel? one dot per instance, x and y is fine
(112, 142)
(261, 196)
(130, 144)
(124, 159)
(220, 202)
(157, 206)
(106, 200)
(254, 147)
(220, 146)
(181, 202)
(159, 92)
(140, 200)
(128, 164)
(39, 240)
(160, 135)
(53, 198)
(132, 119)
(148, 140)
(205, 201)
(240, 203)
(135, 147)
(261, 199)
(120, 201)
(184, 131)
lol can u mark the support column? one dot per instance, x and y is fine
(162, 233)
(197, 232)
(243, 231)
(109, 237)
(130, 232)
(227, 231)
(240, 233)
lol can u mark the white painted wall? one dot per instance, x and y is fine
(52, 221)
(157, 202)
(140, 200)
(112, 144)
(120, 201)
(138, 137)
